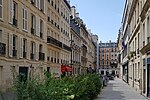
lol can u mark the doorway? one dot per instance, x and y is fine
(144, 81)
(23, 74)
(148, 80)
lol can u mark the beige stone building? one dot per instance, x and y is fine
(75, 42)
(108, 53)
(91, 52)
(58, 35)
(34, 37)
(138, 32)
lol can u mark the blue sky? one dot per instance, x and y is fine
(103, 17)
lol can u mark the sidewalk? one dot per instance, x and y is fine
(119, 90)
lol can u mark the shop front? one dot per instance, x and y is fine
(66, 70)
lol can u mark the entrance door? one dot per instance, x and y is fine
(148, 79)
(23, 72)
(144, 80)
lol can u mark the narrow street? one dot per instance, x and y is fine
(119, 90)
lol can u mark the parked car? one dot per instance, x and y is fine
(111, 78)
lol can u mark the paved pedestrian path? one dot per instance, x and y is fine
(119, 90)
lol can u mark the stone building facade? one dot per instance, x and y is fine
(108, 58)
(136, 27)
(37, 36)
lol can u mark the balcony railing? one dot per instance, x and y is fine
(41, 56)
(32, 56)
(2, 49)
(14, 53)
(67, 47)
(54, 41)
(14, 21)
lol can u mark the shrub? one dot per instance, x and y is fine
(85, 87)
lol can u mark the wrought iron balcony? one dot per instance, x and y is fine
(14, 53)
(41, 56)
(67, 47)
(14, 21)
(54, 41)
(2, 48)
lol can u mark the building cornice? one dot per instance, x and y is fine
(145, 9)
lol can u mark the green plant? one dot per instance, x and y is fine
(85, 87)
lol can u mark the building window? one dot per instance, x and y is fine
(14, 46)
(24, 19)
(33, 24)
(1, 9)
(23, 72)
(41, 54)
(42, 5)
(33, 48)
(41, 28)
(24, 48)
(13, 12)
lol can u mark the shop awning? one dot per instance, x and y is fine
(65, 68)
(69, 69)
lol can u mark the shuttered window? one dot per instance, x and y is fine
(10, 44)
(10, 11)
(24, 19)
(21, 47)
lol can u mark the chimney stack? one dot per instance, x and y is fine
(73, 11)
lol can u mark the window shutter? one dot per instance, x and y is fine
(37, 52)
(21, 47)
(10, 44)
(25, 13)
(44, 31)
(38, 26)
(23, 20)
(10, 11)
